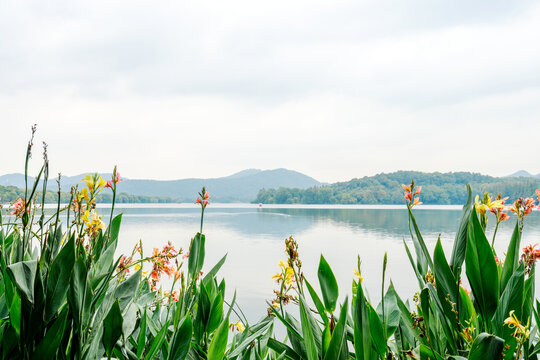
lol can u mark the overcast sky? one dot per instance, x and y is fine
(334, 89)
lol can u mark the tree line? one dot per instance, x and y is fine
(437, 189)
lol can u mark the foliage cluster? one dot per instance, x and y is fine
(441, 189)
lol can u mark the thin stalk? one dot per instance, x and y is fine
(494, 233)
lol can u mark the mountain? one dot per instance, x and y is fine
(523, 173)
(437, 188)
(239, 187)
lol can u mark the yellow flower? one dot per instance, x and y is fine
(84, 195)
(481, 207)
(100, 182)
(89, 181)
(514, 323)
(286, 271)
(92, 221)
(239, 326)
(357, 273)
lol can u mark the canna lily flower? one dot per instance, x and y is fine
(513, 323)
(18, 208)
(238, 326)
(89, 181)
(411, 193)
(114, 181)
(93, 222)
(481, 207)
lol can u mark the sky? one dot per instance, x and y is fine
(334, 89)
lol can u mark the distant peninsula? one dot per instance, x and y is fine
(437, 189)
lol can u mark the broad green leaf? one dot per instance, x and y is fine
(460, 243)
(181, 340)
(49, 345)
(334, 350)
(216, 313)
(112, 327)
(512, 257)
(317, 301)
(58, 280)
(196, 255)
(279, 348)
(481, 269)
(307, 331)
(377, 332)
(218, 345)
(24, 274)
(511, 299)
(114, 229)
(127, 289)
(486, 346)
(79, 295)
(328, 283)
(427, 354)
(141, 339)
(158, 341)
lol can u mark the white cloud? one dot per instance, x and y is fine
(333, 89)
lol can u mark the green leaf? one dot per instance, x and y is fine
(317, 301)
(79, 295)
(218, 345)
(216, 313)
(181, 340)
(460, 243)
(328, 283)
(24, 274)
(158, 341)
(196, 255)
(422, 253)
(486, 346)
(279, 348)
(481, 269)
(377, 332)
(141, 339)
(512, 257)
(427, 354)
(307, 331)
(51, 341)
(511, 299)
(127, 289)
(334, 350)
(362, 337)
(58, 280)
(112, 327)
(114, 228)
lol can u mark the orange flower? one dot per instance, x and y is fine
(18, 207)
(175, 296)
(114, 181)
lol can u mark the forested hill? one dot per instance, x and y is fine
(437, 188)
(12, 193)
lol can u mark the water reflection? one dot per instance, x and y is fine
(253, 239)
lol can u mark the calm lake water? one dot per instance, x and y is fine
(254, 237)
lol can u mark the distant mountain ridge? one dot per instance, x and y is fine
(242, 186)
(524, 173)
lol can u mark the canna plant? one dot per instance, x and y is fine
(494, 320)
(65, 294)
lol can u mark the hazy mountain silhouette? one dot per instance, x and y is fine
(239, 187)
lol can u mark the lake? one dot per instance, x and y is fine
(253, 238)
